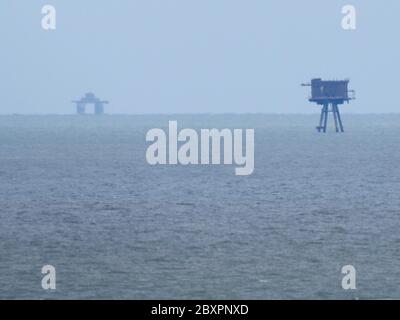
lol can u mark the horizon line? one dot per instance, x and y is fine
(199, 113)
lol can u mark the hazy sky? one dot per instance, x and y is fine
(196, 56)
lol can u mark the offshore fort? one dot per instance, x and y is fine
(330, 94)
(90, 98)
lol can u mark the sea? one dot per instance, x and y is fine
(77, 193)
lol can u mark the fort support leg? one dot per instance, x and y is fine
(80, 108)
(321, 119)
(339, 118)
(335, 117)
(99, 108)
(325, 117)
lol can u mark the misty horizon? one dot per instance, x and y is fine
(161, 57)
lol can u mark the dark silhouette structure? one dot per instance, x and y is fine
(330, 94)
(90, 98)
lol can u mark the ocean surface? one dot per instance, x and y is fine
(77, 193)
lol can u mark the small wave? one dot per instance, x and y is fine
(186, 204)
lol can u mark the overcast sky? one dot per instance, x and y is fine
(196, 56)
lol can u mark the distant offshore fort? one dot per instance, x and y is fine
(331, 94)
(90, 99)
(328, 94)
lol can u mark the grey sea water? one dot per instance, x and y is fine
(77, 193)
